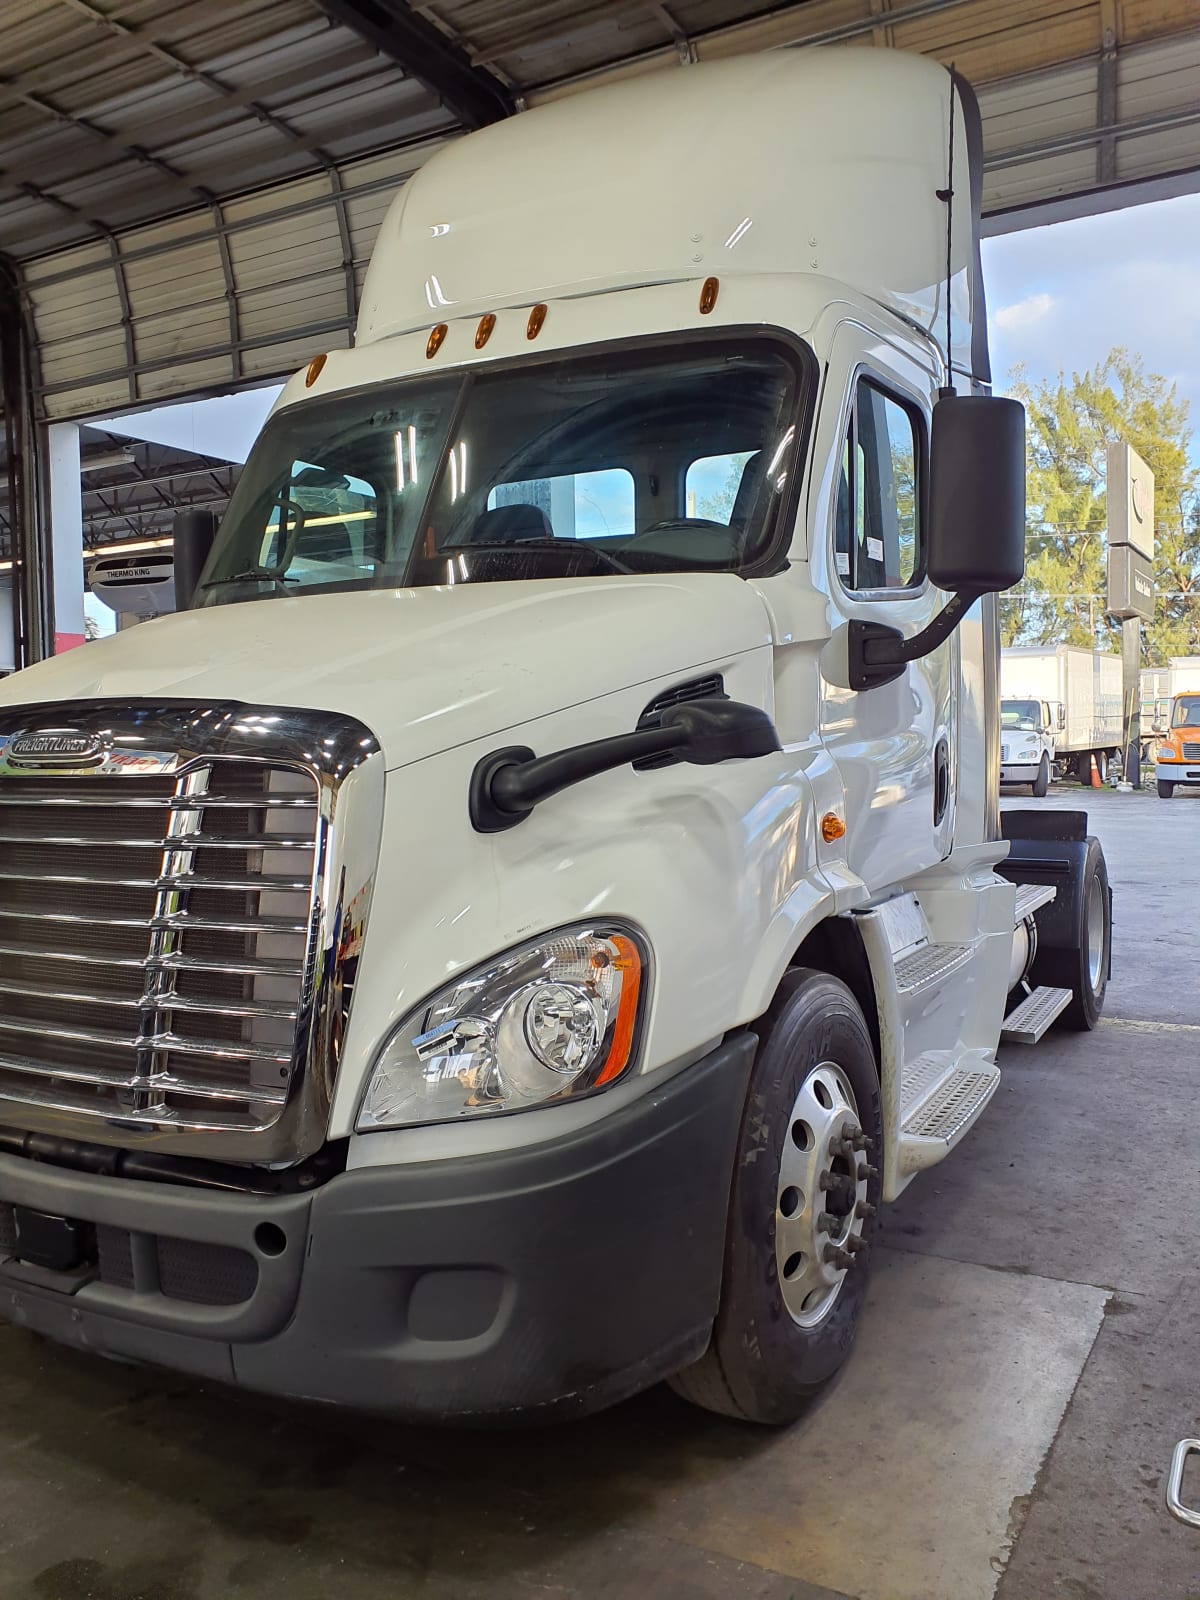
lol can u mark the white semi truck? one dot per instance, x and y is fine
(501, 944)
(1060, 712)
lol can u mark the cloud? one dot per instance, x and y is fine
(1021, 316)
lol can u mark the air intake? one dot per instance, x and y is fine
(710, 688)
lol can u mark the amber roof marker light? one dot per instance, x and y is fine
(536, 318)
(484, 331)
(708, 295)
(436, 340)
(315, 367)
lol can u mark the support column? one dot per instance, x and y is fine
(66, 535)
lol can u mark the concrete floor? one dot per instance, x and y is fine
(1030, 1359)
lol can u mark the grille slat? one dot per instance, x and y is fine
(139, 981)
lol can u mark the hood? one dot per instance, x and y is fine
(424, 669)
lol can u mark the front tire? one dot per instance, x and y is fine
(1042, 782)
(1165, 790)
(802, 1212)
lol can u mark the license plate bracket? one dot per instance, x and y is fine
(60, 1244)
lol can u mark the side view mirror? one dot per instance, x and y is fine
(1061, 718)
(194, 531)
(976, 494)
(976, 529)
(507, 784)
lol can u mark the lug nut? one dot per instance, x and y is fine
(861, 1142)
(865, 1173)
(864, 1208)
(854, 1244)
(828, 1223)
(836, 1257)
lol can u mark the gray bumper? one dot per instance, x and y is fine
(1012, 772)
(1178, 772)
(557, 1277)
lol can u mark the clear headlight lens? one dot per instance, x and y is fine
(555, 1017)
(1166, 752)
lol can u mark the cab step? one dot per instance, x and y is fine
(1031, 897)
(1026, 1023)
(942, 1095)
(929, 964)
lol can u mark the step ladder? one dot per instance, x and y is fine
(1027, 1022)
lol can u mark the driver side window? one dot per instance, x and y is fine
(321, 521)
(877, 540)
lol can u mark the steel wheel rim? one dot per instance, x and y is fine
(820, 1199)
(1095, 932)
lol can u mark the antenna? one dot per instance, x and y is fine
(947, 195)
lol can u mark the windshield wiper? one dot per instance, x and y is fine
(251, 575)
(557, 545)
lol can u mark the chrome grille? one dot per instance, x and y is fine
(1191, 752)
(157, 941)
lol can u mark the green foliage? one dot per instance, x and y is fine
(1070, 425)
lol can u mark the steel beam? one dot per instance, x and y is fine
(474, 95)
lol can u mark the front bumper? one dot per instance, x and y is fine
(1177, 772)
(1019, 771)
(554, 1278)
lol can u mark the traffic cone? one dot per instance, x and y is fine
(1094, 780)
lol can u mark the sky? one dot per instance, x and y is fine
(1061, 297)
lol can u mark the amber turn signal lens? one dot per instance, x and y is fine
(708, 295)
(534, 326)
(484, 331)
(832, 827)
(315, 367)
(628, 962)
(436, 339)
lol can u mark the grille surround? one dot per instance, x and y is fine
(192, 981)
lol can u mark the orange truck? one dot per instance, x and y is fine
(1177, 756)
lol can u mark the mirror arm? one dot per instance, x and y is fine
(508, 783)
(878, 653)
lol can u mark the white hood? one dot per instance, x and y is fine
(424, 669)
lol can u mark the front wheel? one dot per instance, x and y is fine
(1042, 782)
(802, 1213)
(1165, 790)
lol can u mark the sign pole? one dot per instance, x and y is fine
(1131, 660)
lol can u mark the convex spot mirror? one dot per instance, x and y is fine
(976, 494)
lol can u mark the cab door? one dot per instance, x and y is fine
(895, 744)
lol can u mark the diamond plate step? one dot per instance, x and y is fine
(1030, 896)
(929, 964)
(1026, 1023)
(951, 1109)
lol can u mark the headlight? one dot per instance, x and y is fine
(556, 1017)
(1166, 752)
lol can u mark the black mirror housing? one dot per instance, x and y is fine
(721, 730)
(194, 531)
(977, 494)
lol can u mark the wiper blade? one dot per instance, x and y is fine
(557, 546)
(251, 575)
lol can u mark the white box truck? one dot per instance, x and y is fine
(500, 944)
(1160, 685)
(1060, 709)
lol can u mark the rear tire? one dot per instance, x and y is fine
(1042, 782)
(771, 1350)
(1165, 790)
(1083, 967)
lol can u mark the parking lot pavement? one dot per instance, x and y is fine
(1003, 1429)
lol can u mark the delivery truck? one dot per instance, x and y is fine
(1060, 714)
(1159, 687)
(503, 940)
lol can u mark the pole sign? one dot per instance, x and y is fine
(1130, 534)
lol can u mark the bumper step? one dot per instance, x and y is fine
(950, 1111)
(1026, 1023)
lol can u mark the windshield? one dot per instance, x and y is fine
(1187, 712)
(673, 459)
(1026, 714)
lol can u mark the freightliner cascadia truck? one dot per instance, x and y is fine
(504, 941)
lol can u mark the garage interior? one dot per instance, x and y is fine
(189, 195)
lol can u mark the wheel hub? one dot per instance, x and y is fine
(821, 1201)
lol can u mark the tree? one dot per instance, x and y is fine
(1070, 425)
